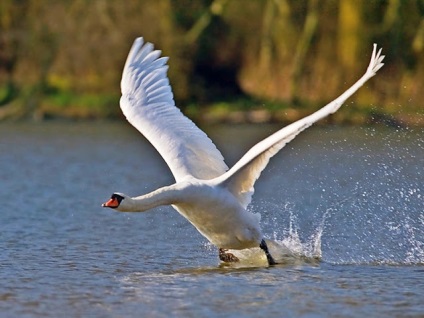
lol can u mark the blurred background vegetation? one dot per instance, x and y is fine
(235, 60)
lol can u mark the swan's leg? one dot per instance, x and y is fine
(227, 257)
(264, 247)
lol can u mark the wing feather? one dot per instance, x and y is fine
(241, 178)
(148, 104)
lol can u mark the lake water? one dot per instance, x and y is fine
(353, 196)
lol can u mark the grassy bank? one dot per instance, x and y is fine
(234, 111)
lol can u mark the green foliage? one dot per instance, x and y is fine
(67, 104)
(225, 55)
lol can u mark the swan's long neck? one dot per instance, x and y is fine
(163, 196)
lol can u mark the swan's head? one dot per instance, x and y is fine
(117, 201)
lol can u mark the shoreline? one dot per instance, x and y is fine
(230, 113)
(252, 117)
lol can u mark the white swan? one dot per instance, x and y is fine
(206, 193)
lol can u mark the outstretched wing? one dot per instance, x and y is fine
(241, 178)
(148, 104)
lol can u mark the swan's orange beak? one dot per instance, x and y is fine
(112, 203)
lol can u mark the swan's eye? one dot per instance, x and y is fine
(117, 197)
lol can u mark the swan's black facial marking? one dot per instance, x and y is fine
(114, 201)
(117, 197)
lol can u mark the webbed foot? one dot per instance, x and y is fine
(227, 257)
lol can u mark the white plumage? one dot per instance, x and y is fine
(148, 104)
(211, 197)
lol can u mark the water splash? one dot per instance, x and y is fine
(365, 207)
(383, 226)
(369, 226)
(310, 248)
(289, 249)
